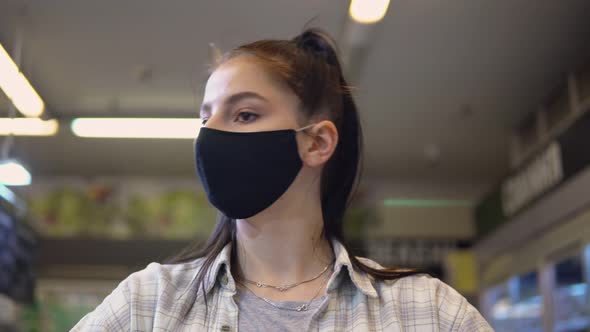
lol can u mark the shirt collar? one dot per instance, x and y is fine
(360, 279)
(221, 270)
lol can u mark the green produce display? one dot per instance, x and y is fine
(104, 212)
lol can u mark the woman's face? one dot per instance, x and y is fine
(241, 96)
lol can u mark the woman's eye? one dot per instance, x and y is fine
(246, 117)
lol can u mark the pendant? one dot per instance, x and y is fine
(302, 307)
(259, 284)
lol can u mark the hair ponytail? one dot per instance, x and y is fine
(342, 172)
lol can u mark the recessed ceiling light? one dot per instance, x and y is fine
(368, 11)
(12, 173)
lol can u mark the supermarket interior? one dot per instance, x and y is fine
(476, 122)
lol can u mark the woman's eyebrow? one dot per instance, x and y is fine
(237, 97)
(233, 99)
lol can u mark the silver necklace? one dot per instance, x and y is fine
(299, 308)
(283, 288)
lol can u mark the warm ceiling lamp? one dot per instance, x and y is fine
(368, 11)
(18, 89)
(137, 127)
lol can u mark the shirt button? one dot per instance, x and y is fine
(225, 328)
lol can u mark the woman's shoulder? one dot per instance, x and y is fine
(423, 288)
(428, 297)
(158, 276)
(167, 270)
(419, 282)
(135, 301)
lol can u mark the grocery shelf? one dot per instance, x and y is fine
(98, 252)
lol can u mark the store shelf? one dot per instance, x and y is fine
(105, 252)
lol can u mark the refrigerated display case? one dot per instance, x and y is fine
(516, 305)
(561, 304)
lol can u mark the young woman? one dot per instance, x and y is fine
(279, 157)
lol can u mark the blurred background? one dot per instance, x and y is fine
(476, 119)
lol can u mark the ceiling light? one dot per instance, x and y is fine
(368, 11)
(136, 127)
(12, 173)
(28, 127)
(18, 89)
(426, 203)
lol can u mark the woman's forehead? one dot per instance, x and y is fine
(235, 76)
(243, 74)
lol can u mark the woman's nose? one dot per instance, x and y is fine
(215, 121)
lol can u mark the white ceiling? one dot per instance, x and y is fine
(426, 63)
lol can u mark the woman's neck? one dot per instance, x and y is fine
(283, 244)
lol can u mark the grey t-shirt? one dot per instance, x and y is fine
(254, 314)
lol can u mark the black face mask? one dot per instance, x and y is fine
(244, 173)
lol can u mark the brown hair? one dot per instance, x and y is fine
(309, 65)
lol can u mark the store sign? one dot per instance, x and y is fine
(411, 252)
(543, 173)
(561, 160)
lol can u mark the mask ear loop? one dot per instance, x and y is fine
(305, 128)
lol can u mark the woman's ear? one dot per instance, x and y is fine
(318, 143)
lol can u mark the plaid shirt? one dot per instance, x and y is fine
(164, 298)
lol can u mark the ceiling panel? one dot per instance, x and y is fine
(448, 79)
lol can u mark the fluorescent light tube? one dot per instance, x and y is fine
(137, 127)
(28, 127)
(426, 203)
(18, 89)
